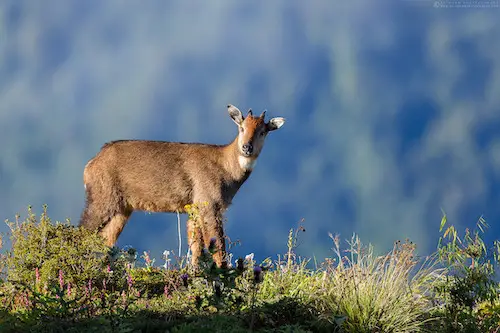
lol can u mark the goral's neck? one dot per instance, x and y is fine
(237, 165)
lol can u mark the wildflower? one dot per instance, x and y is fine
(257, 274)
(336, 239)
(108, 270)
(124, 299)
(249, 257)
(90, 286)
(165, 291)
(37, 275)
(61, 279)
(87, 294)
(184, 278)
(129, 280)
(69, 289)
(211, 246)
(26, 300)
(147, 259)
(239, 265)
(166, 255)
(104, 284)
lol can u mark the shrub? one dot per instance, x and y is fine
(40, 250)
(468, 297)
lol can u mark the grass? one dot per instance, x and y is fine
(59, 278)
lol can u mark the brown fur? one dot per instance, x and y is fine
(159, 176)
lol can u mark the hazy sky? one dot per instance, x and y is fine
(393, 110)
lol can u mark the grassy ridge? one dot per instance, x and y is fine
(58, 278)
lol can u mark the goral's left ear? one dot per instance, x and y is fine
(235, 114)
(275, 123)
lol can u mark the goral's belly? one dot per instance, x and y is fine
(170, 205)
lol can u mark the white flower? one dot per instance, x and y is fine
(249, 257)
(166, 265)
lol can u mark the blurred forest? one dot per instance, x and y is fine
(392, 110)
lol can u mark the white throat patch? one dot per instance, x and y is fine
(247, 163)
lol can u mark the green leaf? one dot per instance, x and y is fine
(443, 221)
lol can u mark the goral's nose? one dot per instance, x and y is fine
(247, 148)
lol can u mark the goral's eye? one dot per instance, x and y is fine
(262, 133)
(241, 129)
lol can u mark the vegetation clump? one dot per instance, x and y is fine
(60, 278)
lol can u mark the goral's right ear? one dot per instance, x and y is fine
(275, 123)
(235, 114)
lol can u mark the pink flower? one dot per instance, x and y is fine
(88, 288)
(165, 291)
(130, 282)
(26, 299)
(124, 299)
(147, 258)
(61, 279)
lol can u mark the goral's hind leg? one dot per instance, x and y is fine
(114, 228)
(103, 204)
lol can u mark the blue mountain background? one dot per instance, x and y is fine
(392, 108)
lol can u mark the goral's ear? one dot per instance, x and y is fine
(235, 114)
(275, 123)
